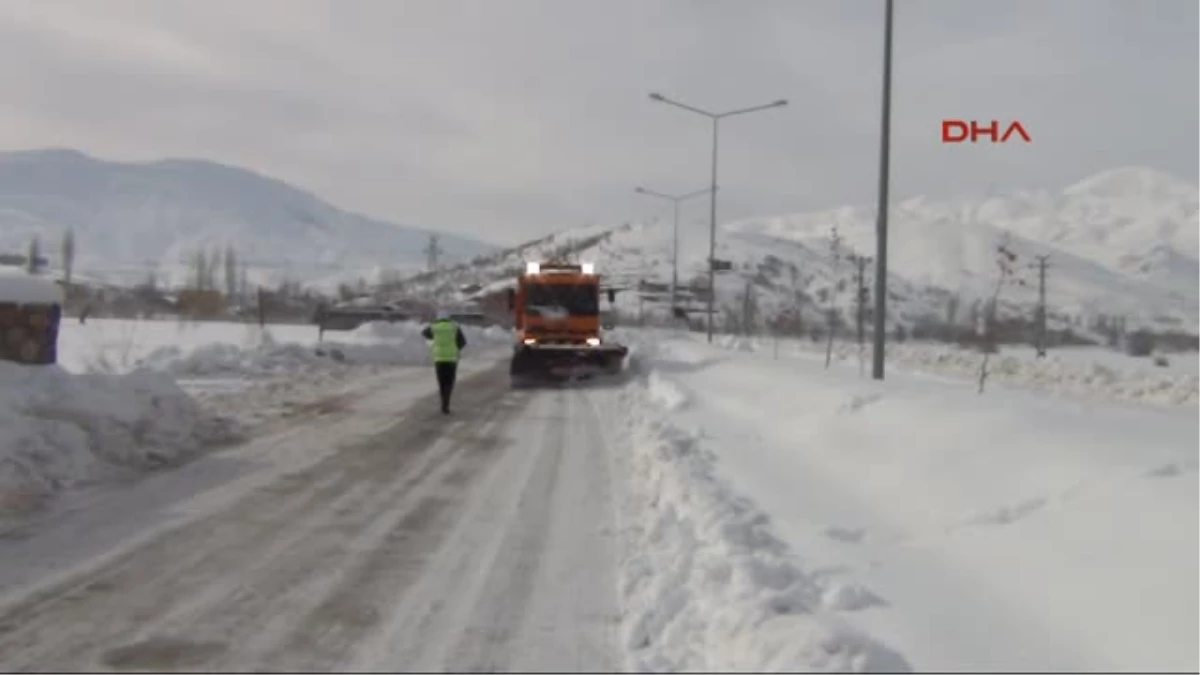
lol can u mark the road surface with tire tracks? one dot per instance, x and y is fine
(483, 541)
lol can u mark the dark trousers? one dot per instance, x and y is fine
(447, 372)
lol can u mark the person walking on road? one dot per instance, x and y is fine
(448, 342)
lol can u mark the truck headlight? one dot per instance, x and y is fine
(593, 342)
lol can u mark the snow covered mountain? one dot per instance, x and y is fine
(1123, 243)
(132, 217)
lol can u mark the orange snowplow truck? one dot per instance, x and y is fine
(556, 320)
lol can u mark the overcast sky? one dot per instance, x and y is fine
(507, 119)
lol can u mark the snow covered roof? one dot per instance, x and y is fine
(27, 289)
(495, 286)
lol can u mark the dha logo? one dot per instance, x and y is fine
(958, 131)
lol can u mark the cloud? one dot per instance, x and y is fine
(509, 119)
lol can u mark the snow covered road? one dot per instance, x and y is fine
(378, 539)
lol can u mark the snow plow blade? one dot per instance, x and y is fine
(545, 364)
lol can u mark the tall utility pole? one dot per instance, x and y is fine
(882, 211)
(1042, 262)
(712, 232)
(676, 199)
(432, 251)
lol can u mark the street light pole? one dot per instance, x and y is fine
(712, 236)
(712, 231)
(882, 209)
(674, 257)
(675, 199)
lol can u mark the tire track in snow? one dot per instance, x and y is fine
(266, 598)
(485, 644)
(525, 580)
(126, 596)
(390, 557)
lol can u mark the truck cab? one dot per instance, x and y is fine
(557, 321)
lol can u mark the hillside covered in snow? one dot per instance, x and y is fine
(1121, 244)
(131, 218)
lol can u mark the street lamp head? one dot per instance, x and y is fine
(639, 189)
(780, 102)
(656, 96)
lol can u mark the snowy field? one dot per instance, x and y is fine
(798, 518)
(198, 350)
(1091, 373)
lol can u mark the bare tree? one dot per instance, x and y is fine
(210, 271)
(199, 269)
(35, 256)
(149, 287)
(1006, 266)
(952, 304)
(835, 254)
(749, 309)
(799, 298)
(861, 295)
(68, 256)
(231, 272)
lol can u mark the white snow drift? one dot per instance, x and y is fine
(1089, 373)
(211, 349)
(61, 430)
(145, 406)
(1009, 531)
(707, 586)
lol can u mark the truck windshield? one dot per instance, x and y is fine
(558, 300)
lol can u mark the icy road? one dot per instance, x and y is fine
(379, 536)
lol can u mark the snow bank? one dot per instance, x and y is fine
(666, 393)
(1093, 379)
(261, 355)
(62, 430)
(1005, 533)
(28, 289)
(707, 585)
(411, 332)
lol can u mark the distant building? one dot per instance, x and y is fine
(1139, 343)
(201, 303)
(30, 311)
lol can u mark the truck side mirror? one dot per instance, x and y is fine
(512, 299)
(612, 296)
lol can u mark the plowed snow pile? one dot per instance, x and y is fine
(707, 585)
(1012, 531)
(59, 430)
